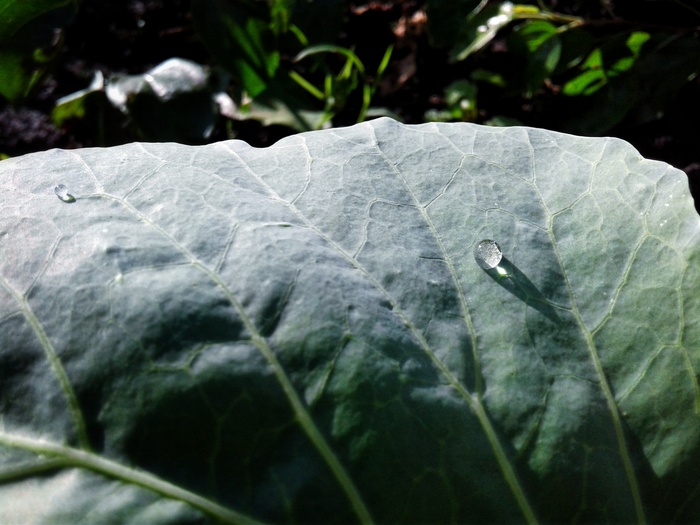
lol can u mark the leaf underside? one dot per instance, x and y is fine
(301, 333)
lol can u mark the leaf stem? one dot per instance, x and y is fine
(72, 457)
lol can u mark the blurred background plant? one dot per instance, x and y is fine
(91, 73)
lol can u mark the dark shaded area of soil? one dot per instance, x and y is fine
(135, 35)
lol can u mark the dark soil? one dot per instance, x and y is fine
(133, 36)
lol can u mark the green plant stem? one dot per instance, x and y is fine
(72, 457)
(308, 86)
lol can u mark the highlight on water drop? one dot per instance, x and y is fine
(62, 193)
(488, 254)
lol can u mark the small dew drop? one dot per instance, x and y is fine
(488, 254)
(62, 193)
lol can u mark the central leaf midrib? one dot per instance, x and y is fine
(473, 401)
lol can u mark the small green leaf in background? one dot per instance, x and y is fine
(597, 70)
(302, 333)
(591, 79)
(537, 42)
(31, 33)
(242, 37)
(634, 43)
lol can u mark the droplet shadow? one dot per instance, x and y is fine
(62, 193)
(507, 275)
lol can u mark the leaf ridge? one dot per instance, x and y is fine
(98, 186)
(593, 352)
(603, 382)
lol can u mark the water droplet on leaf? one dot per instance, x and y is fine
(62, 193)
(488, 254)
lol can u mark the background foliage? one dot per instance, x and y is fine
(269, 68)
(97, 74)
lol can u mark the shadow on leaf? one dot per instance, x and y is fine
(507, 275)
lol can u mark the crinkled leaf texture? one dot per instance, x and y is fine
(301, 334)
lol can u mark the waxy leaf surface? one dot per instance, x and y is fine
(302, 334)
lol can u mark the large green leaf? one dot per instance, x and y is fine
(302, 333)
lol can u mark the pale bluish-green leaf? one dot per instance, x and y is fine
(305, 333)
